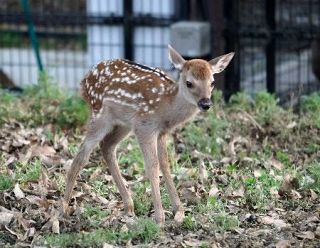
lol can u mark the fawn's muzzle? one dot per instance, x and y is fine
(205, 104)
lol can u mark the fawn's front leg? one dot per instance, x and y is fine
(165, 168)
(148, 144)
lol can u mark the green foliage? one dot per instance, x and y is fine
(313, 171)
(283, 158)
(257, 190)
(143, 230)
(204, 136)
(240, 100)
(189, 223)
(28, 172)
(6, 182)
(310, 106)
(266, 108)
(94, 214)
(44, 103)
(72, 111)
(311, 103)
(141, 200)
(226, 221)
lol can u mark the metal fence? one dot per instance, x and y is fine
(272, 38)
(273, 41)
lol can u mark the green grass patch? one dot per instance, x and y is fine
(6, 182)
(142, 231)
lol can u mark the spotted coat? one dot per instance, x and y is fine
(127, 83)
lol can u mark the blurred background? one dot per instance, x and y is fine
(277, 43)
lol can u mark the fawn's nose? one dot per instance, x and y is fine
(204, 104)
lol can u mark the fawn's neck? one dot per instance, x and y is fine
(179, 110)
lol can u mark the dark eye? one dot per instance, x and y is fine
(189, 84)
(212, 84)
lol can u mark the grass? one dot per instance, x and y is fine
(49, 104)
(143, 230)
(296, 148)
(24, 172)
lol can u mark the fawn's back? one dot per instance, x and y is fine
(125, 83)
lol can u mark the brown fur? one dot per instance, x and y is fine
(200, 69)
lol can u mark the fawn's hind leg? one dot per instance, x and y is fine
(97, 129)
(109, 147)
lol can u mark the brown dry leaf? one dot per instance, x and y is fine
(306, 235)
(42, 151)
(18, 192)
(283, 244)
(5, 218)
(192, 242)
(10, 160)
(106, 245)
(238, 192)
(226, 160)
(291, 125)
(274, 192)
(55, 225)
(96, 173)
(214, 189)
(313, 194)
(268, 220)
(257, 173)
(289, 183)
(31, 232)
(18, 235)
(203, 173)
(234, 141)
(275, 164)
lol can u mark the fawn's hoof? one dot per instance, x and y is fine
(65, 209)
(160, 219)
(129, 210)
(179, 215)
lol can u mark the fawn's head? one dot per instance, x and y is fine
(196, 79)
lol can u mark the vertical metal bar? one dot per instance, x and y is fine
(128, 29)
(271, 46)
(232, 76)
(32, 33)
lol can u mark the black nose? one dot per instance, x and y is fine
(204, 104)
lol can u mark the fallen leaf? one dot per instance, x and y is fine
(268, 220)
(203, 173)
(5, 218)
(283, 244)
(275, 164)
(213, 190)
(292, 125)
(313, 194)
(193, 242)
(18, 192)
(105, 245)
(238, 192)
(289, 183)
(305, 235)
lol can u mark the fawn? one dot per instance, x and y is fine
(124, 97)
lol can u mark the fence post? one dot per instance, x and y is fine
(271, 46)
(128, 29)
(32, 33)
(232, 44)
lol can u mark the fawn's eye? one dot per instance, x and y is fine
(189, 84)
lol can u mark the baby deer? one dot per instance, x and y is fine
(124, 97)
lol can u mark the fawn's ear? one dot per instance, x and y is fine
(175, 58)
(220, 63)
